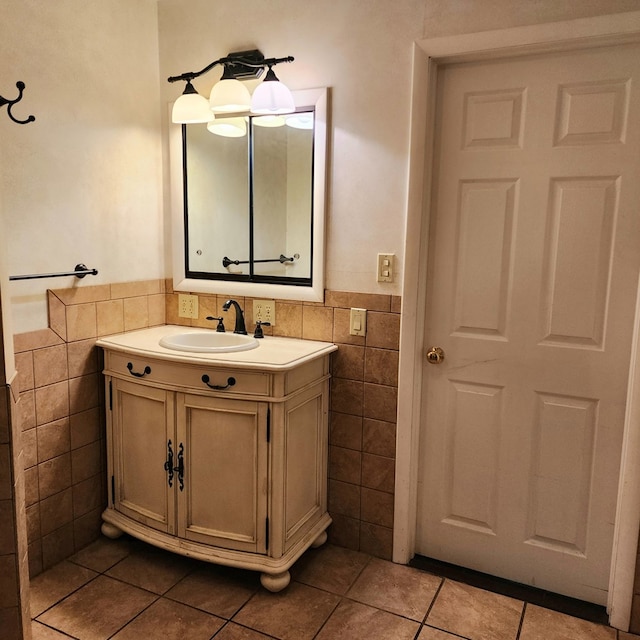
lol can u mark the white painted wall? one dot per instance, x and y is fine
(83, 182)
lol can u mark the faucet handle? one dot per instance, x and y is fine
(259, 333)
(220, 328)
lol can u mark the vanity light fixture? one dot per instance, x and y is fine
(229, 127)
(10, 103)
(229, 95)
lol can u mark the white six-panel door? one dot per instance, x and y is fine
(534, 259)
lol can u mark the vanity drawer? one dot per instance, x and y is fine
(176, 374)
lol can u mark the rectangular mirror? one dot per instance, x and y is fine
(250, 219)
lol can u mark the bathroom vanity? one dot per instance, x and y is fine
(220, 455)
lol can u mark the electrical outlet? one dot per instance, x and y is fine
(385, 267)
(187, 306)
(358, 322)
(265, 311)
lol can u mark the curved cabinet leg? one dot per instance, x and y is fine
(110, 531)
(319, 541)
(275, 582)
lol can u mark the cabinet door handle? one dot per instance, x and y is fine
(180, 468)
(218, 387)
(147, 370)
(168, 465)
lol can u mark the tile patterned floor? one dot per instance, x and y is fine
(126, 590)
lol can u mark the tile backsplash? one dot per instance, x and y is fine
(61, 407)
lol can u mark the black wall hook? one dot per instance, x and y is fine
(10, 103)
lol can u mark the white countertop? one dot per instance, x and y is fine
(272, 353)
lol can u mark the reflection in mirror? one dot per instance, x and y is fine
(248, 198)
(251, 210)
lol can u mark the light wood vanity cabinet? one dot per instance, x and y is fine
(235, 475)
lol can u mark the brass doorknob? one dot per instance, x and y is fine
(435, 355)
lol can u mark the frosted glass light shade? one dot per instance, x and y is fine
(190, 108)
(229, 96)
(228, 127)
(272, 97)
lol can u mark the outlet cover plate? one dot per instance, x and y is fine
(187, 306)
(264, 311)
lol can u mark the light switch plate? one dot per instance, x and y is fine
(385, 267)
(358, 322)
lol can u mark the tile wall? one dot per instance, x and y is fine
(61, 407)
(14, 574)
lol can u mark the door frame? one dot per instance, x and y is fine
(428, 56)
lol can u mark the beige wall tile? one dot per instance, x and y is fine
(396, 304)
(7, 527)
(81, 321)
(345, 531)
(6, 484)
(137, 288)
(171, 311)
(57, 315)
(157, 310)
(347, 396)
(288, 320)
(86, 462)
(33, 523)
(35, 340)
(380, 402)
(378, 472)
(345, 430)
(379, 437)
(377, 507)
(24, 366)
(317, 323)
(86, 427)
(383, 330)
(8, 581)
(52, 402)
(84, 392)
(83, 293)
(4, 415)
(54, 475)
(376, 540)
(136, 313)
(110, 317)
(27, 410)
(57, 546)
(31, 486)
(381, 366)
(87, 495)
(83, 357)
(348, 362)
(53, 439)
(50, 365)
(56, 511)
(344, 498)
(86, 528)
(347, 300)
(345, 464)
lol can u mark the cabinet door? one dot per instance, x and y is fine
(142, 423)
(299, 465)
(224, 502)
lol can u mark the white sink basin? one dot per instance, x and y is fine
(208, 342)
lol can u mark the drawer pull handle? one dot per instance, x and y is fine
(218, 387)
(147, 370)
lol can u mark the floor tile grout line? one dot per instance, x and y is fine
(341, 598)
(48, 626)
(128, 622)
(524, 611)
